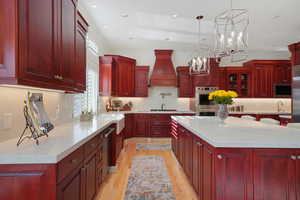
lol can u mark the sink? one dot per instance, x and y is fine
(164, 110)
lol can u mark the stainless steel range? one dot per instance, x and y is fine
(205, 107)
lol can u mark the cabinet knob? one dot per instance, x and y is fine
(220, 157)
(293, 157)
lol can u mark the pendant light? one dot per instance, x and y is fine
(200, 64)
(231, 29)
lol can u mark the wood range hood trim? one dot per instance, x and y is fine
(163, 74)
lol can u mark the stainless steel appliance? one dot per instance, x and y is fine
(296, 93)
(205, 107)
(283, 90)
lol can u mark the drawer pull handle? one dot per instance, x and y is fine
(220, 157)
(109, 132)
(293, 157)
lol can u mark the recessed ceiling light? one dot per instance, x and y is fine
(124, 15)
(105, 26)
(276, 17)
(174, 16)
(167, 39)
(131, 38)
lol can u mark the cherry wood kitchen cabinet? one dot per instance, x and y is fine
(38, 46)
(141, 81)
(283, 73)
(77, 176)
(233, 174)
(238, 79)
(197, 166)
(80, 69)
(184, 83)
(141, 125)
(28, 182)
(295, 51)
(275, 174)
(129, 125)
(117, 76)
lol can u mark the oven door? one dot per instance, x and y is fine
(203, 100)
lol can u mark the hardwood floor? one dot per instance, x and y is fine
(115, 185)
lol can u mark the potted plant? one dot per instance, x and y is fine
(222, 98)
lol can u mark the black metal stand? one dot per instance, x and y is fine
(29, 125)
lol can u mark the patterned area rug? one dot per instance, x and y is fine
(153, 147)
(149, 180)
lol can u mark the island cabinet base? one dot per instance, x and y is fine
(237, 173)
(76, 177)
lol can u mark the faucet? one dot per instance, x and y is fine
(162, 106)
(280, 105)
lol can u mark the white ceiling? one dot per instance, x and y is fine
(273, 23)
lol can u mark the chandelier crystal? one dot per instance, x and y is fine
(231, 29)
(200, 64)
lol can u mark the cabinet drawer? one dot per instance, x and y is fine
(158, 122)
(69, 163)
(91, 146)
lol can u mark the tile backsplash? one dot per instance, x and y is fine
(59, 107)
(155, 100)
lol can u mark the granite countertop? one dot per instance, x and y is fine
(62, 141)
(240, 133)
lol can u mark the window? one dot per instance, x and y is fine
(89, 100)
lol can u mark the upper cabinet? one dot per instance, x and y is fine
(117, 76)
(184, 82)
(38, 44)
(141, 81)
(295, 50)
(236, 79)
(80, 69)
(266, 74)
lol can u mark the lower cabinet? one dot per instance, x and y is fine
(149, 124)
(73, 186)
(91, 182)
(275, 174)
(237, 173)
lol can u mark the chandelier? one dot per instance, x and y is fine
(200, 64)
(231, 29)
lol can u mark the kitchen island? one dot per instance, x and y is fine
(240, 160)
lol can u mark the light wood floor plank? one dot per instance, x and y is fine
(115, 185)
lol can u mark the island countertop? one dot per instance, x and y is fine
(62, 141)
(240, 133)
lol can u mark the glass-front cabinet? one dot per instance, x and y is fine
(238, 80)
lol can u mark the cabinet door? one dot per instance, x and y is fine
(91, 183)
(188, 166)
(298, 176)
(126, 75)
(208, 178)
(73, 186)
(107, 67)
(37, 40)
(129, 123)
(233, 174)
(274, 174)
(141, 81)
(263, 81)
(80, 69)
(27, 182)
(197, 179)
(68, 24)
(185, 86)
(141, 126)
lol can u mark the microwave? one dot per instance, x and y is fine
(283, 90)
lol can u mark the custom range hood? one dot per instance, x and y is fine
(163, 73)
